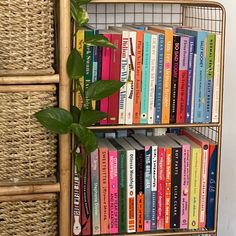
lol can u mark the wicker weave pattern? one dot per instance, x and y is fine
(26, 35)
(28, 218)
(27, 150)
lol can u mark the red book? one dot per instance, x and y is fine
(115, 57)
(182, 81)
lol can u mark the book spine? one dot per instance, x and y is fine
(210, 56)
(167, 76)
(77, 204)
(95, 71)
(194, 193)
(154, 189)
(86, 200)
(200, 78)
(113, 104)
(160, 63)
(184, 187)
(95, 192)
(131, 199)
(88, 59)
(161, 189)
(138, 77)
(168, 187)
(175, 187)
(211, 187)
(183, 78)
(130, 82)
(147, 189)
(104, 200)
(140, 160)
(152, 80)
(123, 75)
(113, 192)
(175, 76)
(145, 78)
(193, 87)
(216, 84)
(122, 205)
(106, 54)
(190, 79)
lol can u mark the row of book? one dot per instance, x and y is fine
(140, 184)
(172, 74)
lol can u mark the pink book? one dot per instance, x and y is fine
(113, 188)
(106, 52)
(161, 188)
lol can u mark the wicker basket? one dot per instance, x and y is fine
(29, 217)
(27, 151)
(26, 37)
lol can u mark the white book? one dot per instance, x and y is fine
(193, 86)
(216, 80)
(153, 74)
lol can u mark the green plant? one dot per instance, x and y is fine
(76, 121)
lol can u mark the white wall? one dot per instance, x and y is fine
(227, 210)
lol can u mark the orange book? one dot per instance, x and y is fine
(167, 70)
(104, 187)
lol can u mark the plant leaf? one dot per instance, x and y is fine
(75, 65)
(75, 112)
(57, 120)
(99, 40)
(86, 137)
(79, 14)
(83, 2)
(78, 162)
(103, 88)
(90, 117)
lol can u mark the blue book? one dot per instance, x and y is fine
(145, 77)
(160, 62)
(190, 79)
(200, 42)
(210, 218)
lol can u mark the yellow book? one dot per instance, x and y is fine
(167, 71)
(194, 183)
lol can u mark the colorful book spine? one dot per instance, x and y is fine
(216, 83)
(184, 202)
(131, 195)
(213, 152)
(130, 81)
(183, 79)
(161, 188)
(152, 80)
(175, 76)
(199, 100)
(95, 193)
(138, 77)
(168, 187)
(145, 78)
(106, 56)
(104, 188)
(210, 57)
(113, 105)
(190, 79)
(160, 63)
(113, 191)
(123, 75)
(95, 71)
(154, 189)
(86, 200)
(193, 87)
(176, 187)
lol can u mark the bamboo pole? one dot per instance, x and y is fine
(31, 189)
(30, 197)
(64, 102)
(26, 72)
(27, 88)
(46, 79)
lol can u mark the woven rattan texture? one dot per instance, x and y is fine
(27, 150)
(28, 218)
(26, 35)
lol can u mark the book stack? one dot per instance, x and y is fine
(172, 74)
(148, 183)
